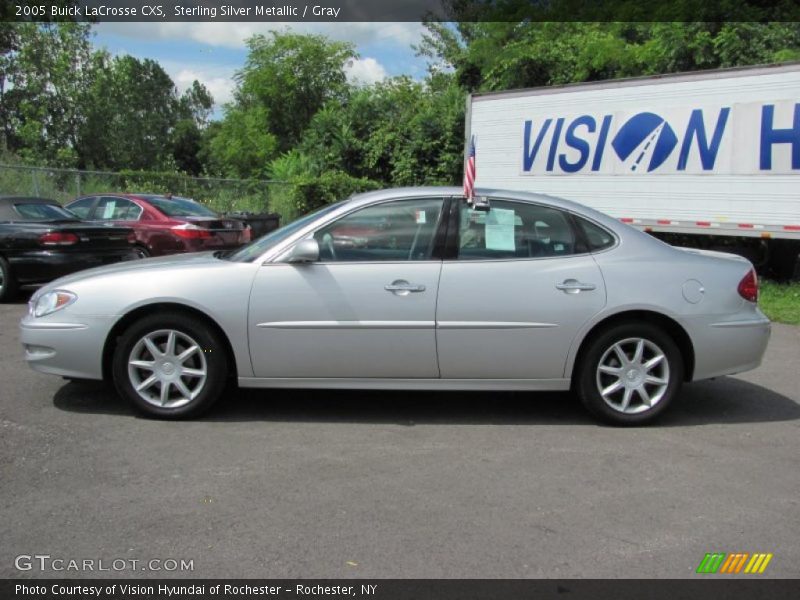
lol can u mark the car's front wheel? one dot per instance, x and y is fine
(141, 251)
(8, 287)
(629, 373)
(170, 366)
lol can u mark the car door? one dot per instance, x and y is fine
(365, 309)
(517, 287)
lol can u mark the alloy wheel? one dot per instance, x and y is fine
(167, 368)
(633, 375)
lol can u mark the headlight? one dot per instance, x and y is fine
(50, 302)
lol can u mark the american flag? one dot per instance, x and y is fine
(469, 171)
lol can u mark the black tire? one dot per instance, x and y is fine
(209, 356)
(141, 251)
(589, 379)
(8, 285)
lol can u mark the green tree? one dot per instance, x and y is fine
(136, 120)
(194, 110)
(195, 104)
(507, 55)
(292, 76)
(241, 145)
(9, 44)
(50, 72)
(398, 132)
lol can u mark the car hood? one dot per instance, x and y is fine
(146, 264)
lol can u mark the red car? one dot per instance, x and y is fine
(164, 224)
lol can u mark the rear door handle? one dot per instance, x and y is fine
(573, 286)
(401, 287)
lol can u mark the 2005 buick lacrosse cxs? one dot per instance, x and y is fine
(412, 289)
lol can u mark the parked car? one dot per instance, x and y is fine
(40, 241)
(164, 224)
(522, 292)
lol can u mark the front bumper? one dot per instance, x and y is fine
(70, 347)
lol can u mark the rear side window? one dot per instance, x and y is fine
(180, 207)
(598, 238)
(515, 230)
(117, 209)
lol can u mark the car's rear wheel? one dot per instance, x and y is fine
(630, 373)
(8, 286)
(170, 366)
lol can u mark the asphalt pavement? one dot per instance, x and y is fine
(291, 484)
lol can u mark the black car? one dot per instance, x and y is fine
(41, 241)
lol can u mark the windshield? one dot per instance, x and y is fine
(180, 207)
(258, 247)
(43, 212)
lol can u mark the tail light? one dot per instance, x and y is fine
(132, 237)
(191, 232)
(56, 238)
(247, 233)
(748, 286)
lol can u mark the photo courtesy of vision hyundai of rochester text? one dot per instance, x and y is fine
(411, 289)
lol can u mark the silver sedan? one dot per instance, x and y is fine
(412, 289)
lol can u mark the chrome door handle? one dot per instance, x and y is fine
(401, 287)
(573, 286)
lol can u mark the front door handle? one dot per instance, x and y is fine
(573, 286)
(401, 287)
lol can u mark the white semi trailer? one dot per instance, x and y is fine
(710, 158)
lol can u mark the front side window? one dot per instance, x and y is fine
(117, 209)
(82, 208)
(393, 231)
(515, 230)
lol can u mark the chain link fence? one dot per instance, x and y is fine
(222, 195)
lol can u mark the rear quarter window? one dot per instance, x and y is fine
(597, 237)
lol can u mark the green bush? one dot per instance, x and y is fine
(781, 301)
(309, 193)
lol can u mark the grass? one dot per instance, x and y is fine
(780, 301)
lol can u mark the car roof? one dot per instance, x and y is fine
(137, 195)
(452, 191)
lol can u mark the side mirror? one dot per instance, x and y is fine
(304, 251)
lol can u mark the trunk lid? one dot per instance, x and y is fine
(229, 231)
(92, 237)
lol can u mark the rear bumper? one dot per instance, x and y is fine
(726, 347)
(37, 267)
(70, 349)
